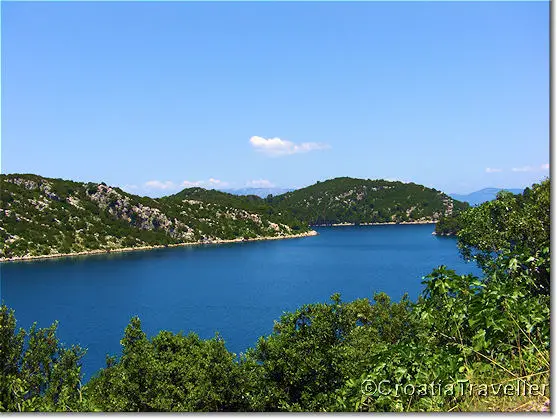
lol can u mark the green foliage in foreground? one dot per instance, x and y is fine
(168, 373)
(37, 373)
(454, 349)
(448, 225)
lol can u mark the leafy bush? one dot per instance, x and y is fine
(171, 372)
(38, 373)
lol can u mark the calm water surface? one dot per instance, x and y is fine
(235, 289)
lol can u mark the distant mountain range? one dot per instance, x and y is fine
(260, 192)
(483, 195)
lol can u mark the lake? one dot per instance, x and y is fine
(234, 289)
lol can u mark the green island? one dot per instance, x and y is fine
(467, 344)
(43, 217)
(359, 201)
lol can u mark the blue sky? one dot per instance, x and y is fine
(154, 97)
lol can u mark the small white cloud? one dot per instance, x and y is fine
(492, 170)
(130, 187)
(523, 169)
(531, 168)
(276, 147)
(217, 182)
(204, 183)
(157, 184)
(260, 183)
(188, 184)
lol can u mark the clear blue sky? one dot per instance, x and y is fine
(155, 96)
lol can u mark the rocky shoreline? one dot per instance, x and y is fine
(374, 224)
(133, 249)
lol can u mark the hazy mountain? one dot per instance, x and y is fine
(483, 195)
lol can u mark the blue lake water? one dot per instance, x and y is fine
(235, 289)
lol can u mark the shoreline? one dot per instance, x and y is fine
(157, 246)
(373, 224)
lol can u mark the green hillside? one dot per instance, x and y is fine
(42, 216)
(348, 200)
(252, 202)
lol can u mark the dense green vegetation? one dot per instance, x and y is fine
(37, 373)
(448, 225)
(251, 203)
(41, 216)
(468, 343)
(348, 200)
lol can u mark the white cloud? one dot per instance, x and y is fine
(157, 184)
(130, 187)
(531, 168)
(204, 183)
(276, 147)
(523, 169)
(260, 183)
(188, 184)
(492, 170)
(217, 182)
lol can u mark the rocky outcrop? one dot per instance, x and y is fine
(41, 216)
(138, 215)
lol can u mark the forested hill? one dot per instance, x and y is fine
(348, 200)
(42, 216)
(218, 197)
